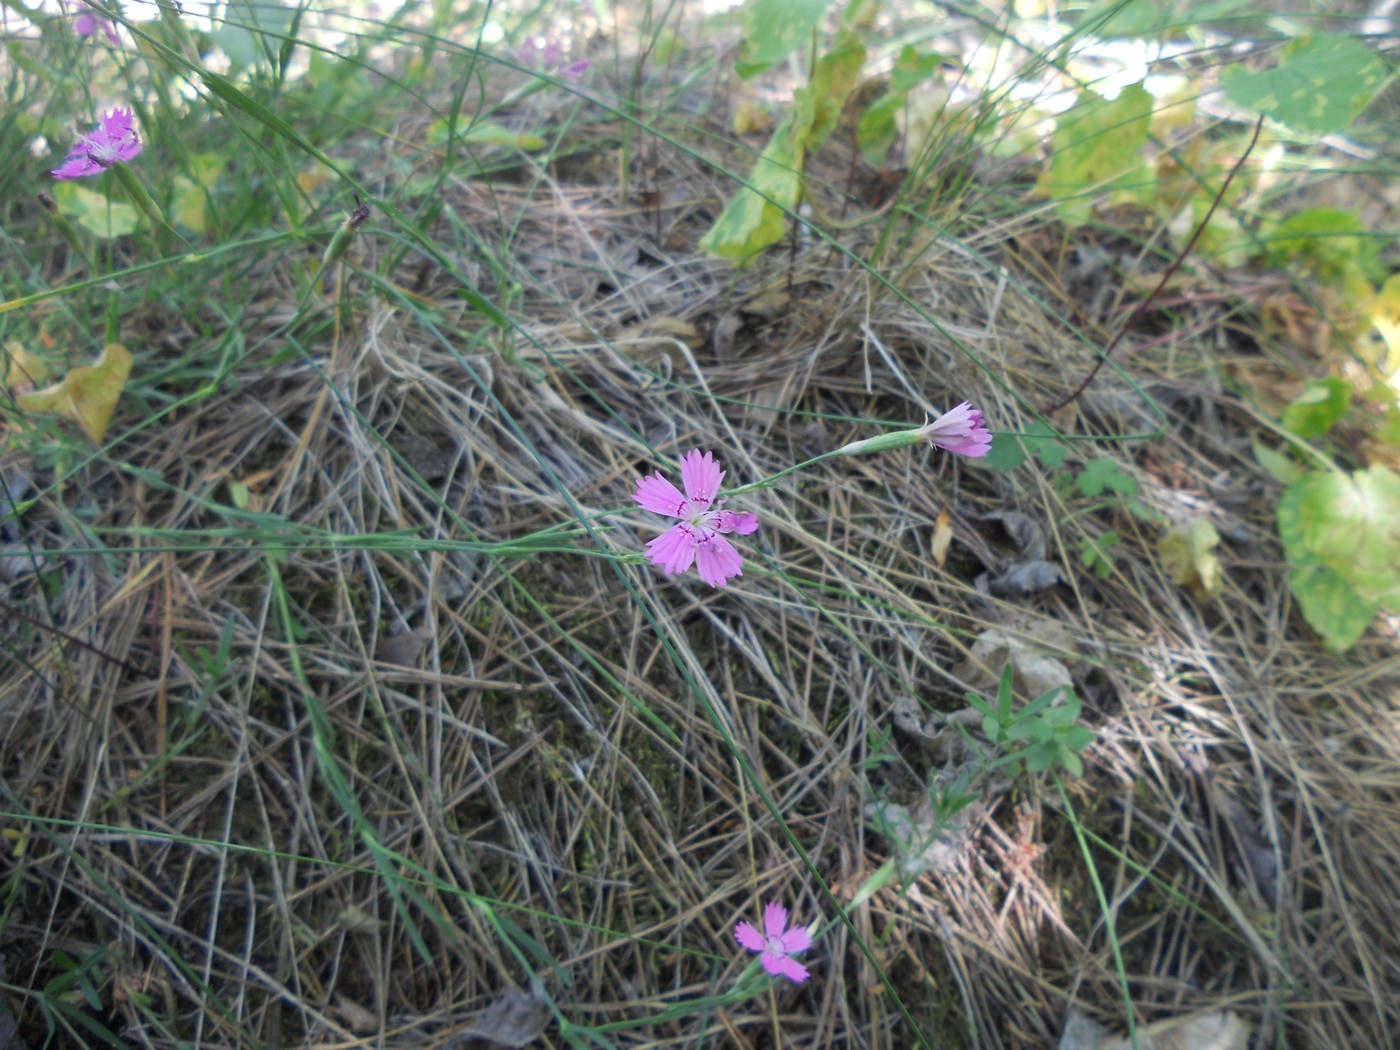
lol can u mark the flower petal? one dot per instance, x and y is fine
(730, 521)
(716, 559)
(77, 165)
(674, 549)
(774, 919)
(747, 936)
(796, 939)
(659, 496)
(782, 966)
(701, 476)
(961, 429)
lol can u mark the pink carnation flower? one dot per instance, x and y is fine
(696, 537)
(113, 141)
(777, 943)
(87, 23)
(549, 56)
(959, 430)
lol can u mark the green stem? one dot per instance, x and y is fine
(140, 197)
(763, 483)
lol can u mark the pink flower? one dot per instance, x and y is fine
(696, 537)
(549, 56)
(86, 24)
(959, 430)
(112, 141)
(777, 943)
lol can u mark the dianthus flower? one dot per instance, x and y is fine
(113, 141)
(548, 56)
(961, 430)
(777, 943)
(696, 537)
(87, 23)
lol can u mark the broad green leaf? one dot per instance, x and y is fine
(772, 29)
(824, 97)
(87, 394)
(1188, 555)
(1095, 147)
(1352, 525)
(1333, 243)
(1321, 83)
(1279, 465)
(1329, 604)
(875, 133)
(757, 216)
(252, 32)
(1342, 537)
(1317, 409)
(95, 213)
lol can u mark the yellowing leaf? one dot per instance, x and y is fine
(87, 395)
(1095, 148)
(942, 537)
(1385, 315)
(312, 177)
(189, 205)
(1188, 555)
(20, 368)
(95, 213)
(750, 117)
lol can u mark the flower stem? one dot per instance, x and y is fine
(140, 197)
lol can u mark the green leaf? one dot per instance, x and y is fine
(875, 133)
(1095, 148)
(1007, 453)
(95, 213)
(824, 97)
(1074, 765)
(1342, 537)
(1318, 408)
(1279, 465)
(1352, 525)
(1332, 242)
(1328, 602)
(1321, 83)
(756, 217)
(772, 29)
(252, 32)
(485, 133)
(1077, 738)
(1100, 474)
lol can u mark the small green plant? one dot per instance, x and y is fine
(1096, 556)
(1039, 737)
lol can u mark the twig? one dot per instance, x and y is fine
(1167, 276)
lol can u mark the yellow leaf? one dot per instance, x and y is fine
(313, 177)
(20, 367)
(1188, 555)
(942, 536)
(87, 395)
(1385, 315)
(750, 117)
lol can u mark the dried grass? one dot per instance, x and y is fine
(1244, 787)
